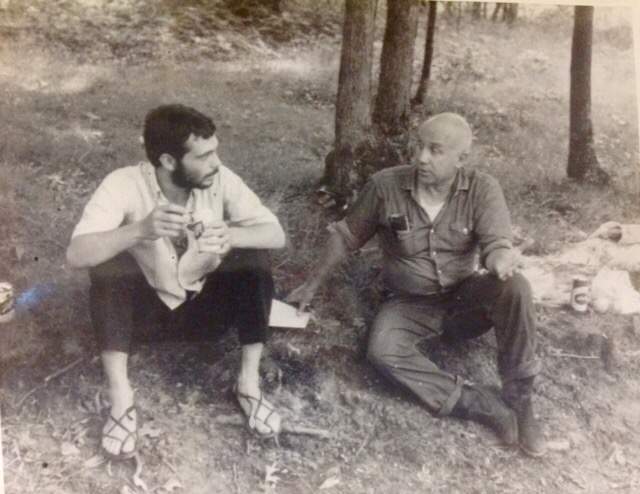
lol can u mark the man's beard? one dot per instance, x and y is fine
(180, 178)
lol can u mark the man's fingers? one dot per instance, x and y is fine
(216, 233)
(174, 209)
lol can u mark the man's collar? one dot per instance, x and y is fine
(461, 181)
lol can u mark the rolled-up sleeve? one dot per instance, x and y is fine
(106, 208)
(492, 219)
(242, 206)
(361, 222)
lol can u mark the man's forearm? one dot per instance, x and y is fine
(335, 252)
(92, 249)
(261, 236)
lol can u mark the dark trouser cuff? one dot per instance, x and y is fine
(523, 371)
(452, 399)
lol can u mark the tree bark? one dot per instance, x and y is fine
(421, 94)
(353, 102)
(511, 12)
(391, 113)
(496, 11)
(582, 155)
(476, 10)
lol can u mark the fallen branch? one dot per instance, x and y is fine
(286, 428)
(573, 355)
(46, 380)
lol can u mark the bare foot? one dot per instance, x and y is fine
(118, 433)
(261, 414)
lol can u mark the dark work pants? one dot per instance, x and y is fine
(125, 309)
(478, 304)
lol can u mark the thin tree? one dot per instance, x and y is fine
(421, 93)
(510, 13)
(391, 112)
(496, 11)
(583, 162)
(353, 102)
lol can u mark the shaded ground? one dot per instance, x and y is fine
(69, 122)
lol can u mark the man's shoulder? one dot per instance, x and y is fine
(394, 176)
(480, 179)
(125, 174)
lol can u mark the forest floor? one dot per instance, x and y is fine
(76, 83)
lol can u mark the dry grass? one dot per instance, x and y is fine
(70, 123)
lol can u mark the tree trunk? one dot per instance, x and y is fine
(511, 13)
(476, 10)
(353, 102)
(582, 155)
(496, 11)
(391, 113)
(428, 54)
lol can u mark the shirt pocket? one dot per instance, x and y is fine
(460, 237)
(410, 243)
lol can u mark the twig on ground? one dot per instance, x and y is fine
(289, 429)
(169, 465)
(573, 480)
(366, 440)
(574, 355)
(235, 478)
(46, 380)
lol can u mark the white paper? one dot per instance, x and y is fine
(285, 316)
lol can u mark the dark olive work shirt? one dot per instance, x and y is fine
(421, 256)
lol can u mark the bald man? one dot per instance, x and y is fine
(436, 224)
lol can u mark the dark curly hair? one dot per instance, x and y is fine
(168, 127)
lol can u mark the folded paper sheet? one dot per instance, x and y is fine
(285, 316)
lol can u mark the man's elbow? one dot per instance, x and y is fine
(74, 259)
(279, 238)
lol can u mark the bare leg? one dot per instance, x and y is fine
(121, 397)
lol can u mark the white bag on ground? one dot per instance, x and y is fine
(612, 290)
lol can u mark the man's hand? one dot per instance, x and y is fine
(215, 238)
(503, 263)
(166, 220)
(302, 295)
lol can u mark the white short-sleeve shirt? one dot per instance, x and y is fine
(129, 194)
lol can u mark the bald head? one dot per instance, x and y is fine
(450, 130)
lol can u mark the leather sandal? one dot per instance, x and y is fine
(256, 406)
(117, 422)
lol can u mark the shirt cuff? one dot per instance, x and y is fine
(498, 244)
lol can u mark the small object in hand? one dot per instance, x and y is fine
(7, 302)
(199, 220)
(580, 295)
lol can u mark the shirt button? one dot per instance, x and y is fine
(434, 253)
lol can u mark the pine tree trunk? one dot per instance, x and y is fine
(391, 113)
(421, 94)
(353, 102)
(582, 155)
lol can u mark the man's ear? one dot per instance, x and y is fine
(167, 162)
(462, 157)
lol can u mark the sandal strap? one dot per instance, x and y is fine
(117, 422)
(253, 416)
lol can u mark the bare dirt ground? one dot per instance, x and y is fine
(69, 121)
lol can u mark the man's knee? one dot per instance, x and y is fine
(382, 340)
(120, 267)
(517, 287)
